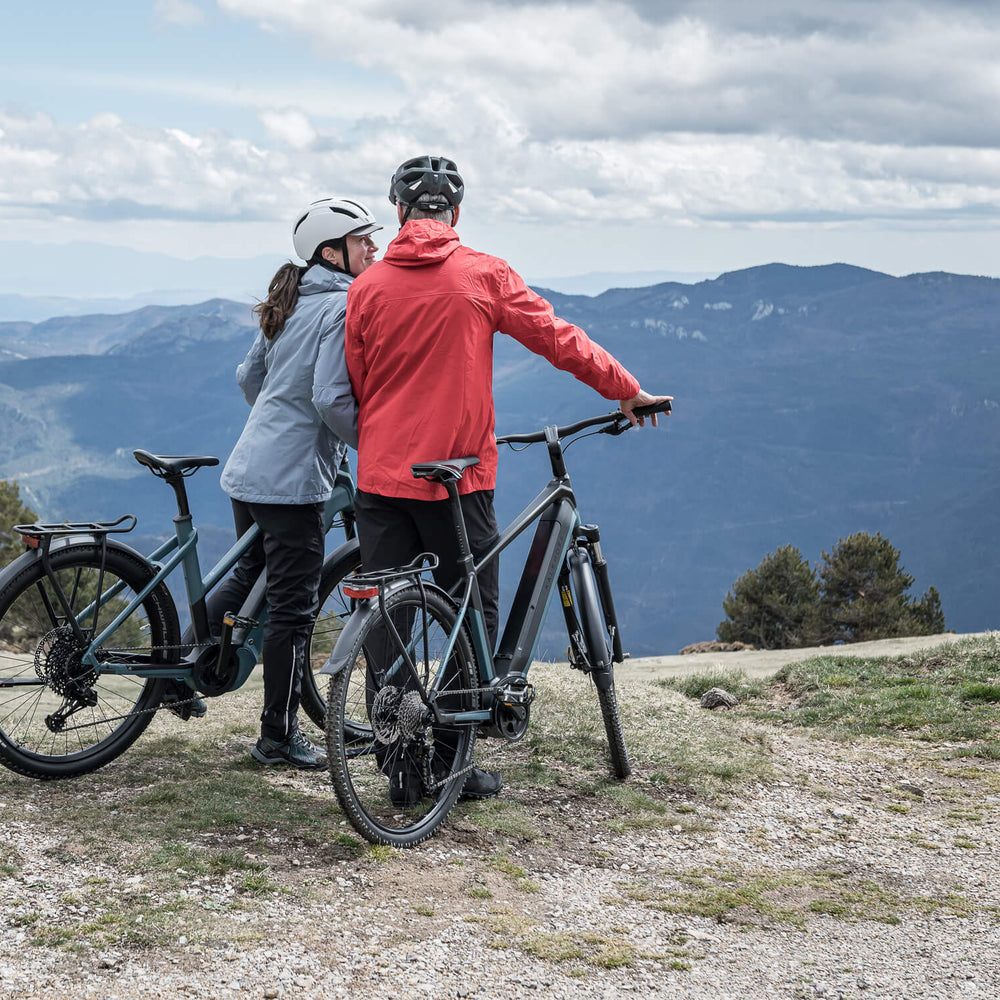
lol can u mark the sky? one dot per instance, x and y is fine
(650, 135)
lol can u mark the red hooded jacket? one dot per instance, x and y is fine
(419, 344)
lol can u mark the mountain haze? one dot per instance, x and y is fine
(811, 402)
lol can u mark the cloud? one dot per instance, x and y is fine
(107, 168)
(914, 73)
(178, 12)
(689, 113)
(290, 126)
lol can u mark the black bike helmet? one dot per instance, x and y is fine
(427, 182)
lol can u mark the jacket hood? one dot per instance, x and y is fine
(423, 241)
(320, 279)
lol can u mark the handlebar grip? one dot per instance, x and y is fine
(647, 411)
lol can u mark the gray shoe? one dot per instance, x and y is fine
(295, 751)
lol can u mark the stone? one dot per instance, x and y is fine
(718, 698)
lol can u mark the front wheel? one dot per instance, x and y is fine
(598, 646)
(396, 770)
(60, 717)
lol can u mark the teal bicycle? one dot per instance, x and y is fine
(413, 680)
(90, 638)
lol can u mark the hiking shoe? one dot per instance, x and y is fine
(182, 701)
(295, 751)
(405, 786)
(481, 784)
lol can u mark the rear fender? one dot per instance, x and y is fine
(82, 540)
(363, 612)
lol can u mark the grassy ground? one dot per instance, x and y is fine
(186, 840)
(949, 695)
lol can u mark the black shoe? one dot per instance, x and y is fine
(182, 701)
(481, 784)
(405, 785)
(295, 751)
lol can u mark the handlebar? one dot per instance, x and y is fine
(617, 423)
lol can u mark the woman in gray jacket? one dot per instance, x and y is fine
(283, 467)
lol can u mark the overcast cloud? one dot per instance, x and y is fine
(691, 113)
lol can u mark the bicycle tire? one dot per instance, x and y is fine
(40, 672)
(399, 782)
(334, 610)
(597, 639)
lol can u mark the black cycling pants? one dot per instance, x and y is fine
(290, 545)
(393, 531)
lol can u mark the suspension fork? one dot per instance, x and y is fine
(589, 538)
(592, 534)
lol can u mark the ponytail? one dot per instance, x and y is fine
(282, 295)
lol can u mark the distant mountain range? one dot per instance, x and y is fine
(810, 403)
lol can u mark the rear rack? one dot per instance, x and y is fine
(363, 586)
(32, 534)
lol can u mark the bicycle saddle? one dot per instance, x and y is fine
(173, 465)
(448, 470)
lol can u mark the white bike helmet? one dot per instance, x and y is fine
(330, 219)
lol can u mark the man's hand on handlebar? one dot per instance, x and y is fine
(642, 399)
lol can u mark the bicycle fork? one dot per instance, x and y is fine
(590, 620)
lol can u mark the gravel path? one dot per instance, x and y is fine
(861, 872)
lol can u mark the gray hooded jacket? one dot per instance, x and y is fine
(299, 389)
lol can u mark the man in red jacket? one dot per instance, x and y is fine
(419, 344)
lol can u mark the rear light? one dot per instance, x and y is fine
(30, 540)
(359, 593)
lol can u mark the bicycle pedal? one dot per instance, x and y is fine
(239, 622)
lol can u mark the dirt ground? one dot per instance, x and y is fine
(855, 870)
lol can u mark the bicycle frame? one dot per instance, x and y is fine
(182, 550)
(555, 510)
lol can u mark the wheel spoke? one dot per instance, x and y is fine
(43, 672)
(398, 785)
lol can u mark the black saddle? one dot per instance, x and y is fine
(173, 465)
(447, 471)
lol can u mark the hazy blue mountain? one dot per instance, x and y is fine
(81, 270)
(810, 403)
(94, 334)
(596, 282)
(36, 308)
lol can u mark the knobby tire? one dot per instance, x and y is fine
(41, 673)
(398, 781)
(597, 639)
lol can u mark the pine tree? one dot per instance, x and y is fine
(927, 614)
(863, 593)
(775, 605)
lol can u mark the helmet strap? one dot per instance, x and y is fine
(318, 257)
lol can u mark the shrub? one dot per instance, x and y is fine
(775, 605)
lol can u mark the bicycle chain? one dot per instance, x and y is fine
(471, 767)
(142, 711)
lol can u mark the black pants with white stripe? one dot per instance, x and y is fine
(290, 545)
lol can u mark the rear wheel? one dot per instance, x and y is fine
(58, 716)
(334, 610)
(598, 644)
(398, 774)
